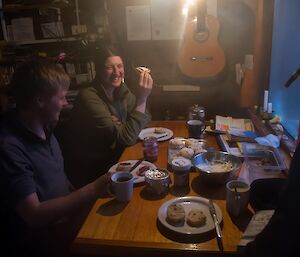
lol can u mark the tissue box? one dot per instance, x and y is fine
(260, 157)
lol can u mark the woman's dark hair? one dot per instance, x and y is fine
(37, 77)
(102, 53)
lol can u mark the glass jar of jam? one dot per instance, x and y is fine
(150, 148)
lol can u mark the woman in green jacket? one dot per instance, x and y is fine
(105, 119)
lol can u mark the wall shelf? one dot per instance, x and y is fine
(19, 7)
(44, 41)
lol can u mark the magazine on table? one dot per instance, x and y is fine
(257, 223)
(228, 124)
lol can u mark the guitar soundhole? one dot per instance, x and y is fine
(201, 36)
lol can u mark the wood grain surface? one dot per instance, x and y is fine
(118, 229)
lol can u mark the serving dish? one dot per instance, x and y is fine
(216, 167)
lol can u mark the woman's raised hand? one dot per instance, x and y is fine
(145, 85)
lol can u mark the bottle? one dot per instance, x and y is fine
(150, 148)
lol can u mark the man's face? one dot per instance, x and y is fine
(52, 106)
(113, 71)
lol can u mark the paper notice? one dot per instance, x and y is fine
(167, 19)
(138, 22)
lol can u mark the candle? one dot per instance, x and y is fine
(269, 107)
(266, 98)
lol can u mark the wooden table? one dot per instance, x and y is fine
(115, 229)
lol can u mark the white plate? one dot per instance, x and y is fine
(149, 132)
(138, 179)
(190, 203)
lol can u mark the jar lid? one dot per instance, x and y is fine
(181, 163)
(150, 139)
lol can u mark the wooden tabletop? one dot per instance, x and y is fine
(117, 229)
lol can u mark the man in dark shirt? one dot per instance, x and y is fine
(38, 208)
(281, 235)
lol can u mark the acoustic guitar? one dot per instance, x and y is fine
(201, 56)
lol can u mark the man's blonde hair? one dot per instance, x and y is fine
(37, 78)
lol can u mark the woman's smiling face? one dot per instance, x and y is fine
(113, 71)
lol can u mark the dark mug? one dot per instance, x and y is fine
(196, 128)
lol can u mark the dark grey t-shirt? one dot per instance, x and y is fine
(28, 164)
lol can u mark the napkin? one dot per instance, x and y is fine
(269, 140)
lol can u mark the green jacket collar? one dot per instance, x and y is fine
(119, 93)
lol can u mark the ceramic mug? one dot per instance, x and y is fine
(195, 128)
(237, 197)
(122, 186)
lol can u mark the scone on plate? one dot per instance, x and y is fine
(186, 152)
(191, 142)
(175, 214)
(124, 166)
(159, 130)
(175, 156)
(198, 150)
(142, 170)
(176, 143)
(196, 218)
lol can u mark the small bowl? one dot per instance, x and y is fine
(157, 181)
(216, 167)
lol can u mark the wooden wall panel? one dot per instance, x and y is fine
(221, 95)
(257, 81)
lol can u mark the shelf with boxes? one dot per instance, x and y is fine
(66, 32)
(52, 20)
(73, 56)
(75, 60)
(23, 22)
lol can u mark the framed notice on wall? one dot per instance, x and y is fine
(138, 22)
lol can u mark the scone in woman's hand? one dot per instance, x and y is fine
(145, 86)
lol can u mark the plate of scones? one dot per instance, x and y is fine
(186, 148)
(160, 133)
(188, 215)
(138, 173)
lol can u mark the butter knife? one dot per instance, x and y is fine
(213, 213)
(136, 164)
(162, 136)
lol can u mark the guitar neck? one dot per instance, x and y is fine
(201, 14)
